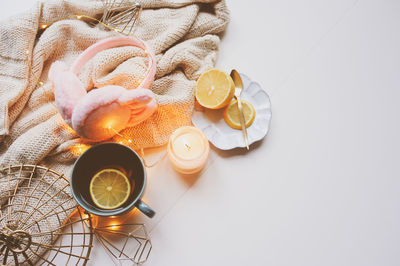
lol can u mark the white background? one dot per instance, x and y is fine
(323, 187)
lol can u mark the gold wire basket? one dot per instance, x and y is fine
(125, 243)
(40, 222)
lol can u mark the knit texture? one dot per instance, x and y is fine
(183, 35)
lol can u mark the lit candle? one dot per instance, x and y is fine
(188, 150)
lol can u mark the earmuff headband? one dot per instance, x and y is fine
(118, 42)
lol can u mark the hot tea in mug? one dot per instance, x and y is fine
(109, 179)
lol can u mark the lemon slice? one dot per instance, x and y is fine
(214, 89)
(109, 188)
(231, 114)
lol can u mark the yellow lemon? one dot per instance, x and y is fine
(214, 89)
(109, 188)
(231, 114)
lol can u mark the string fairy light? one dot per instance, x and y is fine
(129, 140)
(90, 18)
(130, 144)
(113, 226)
(78, 149)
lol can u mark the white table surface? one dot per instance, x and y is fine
(323, 187)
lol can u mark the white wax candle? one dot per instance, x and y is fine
(188, 146)
(188, 150)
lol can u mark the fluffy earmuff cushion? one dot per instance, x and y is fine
(68, 89)
(101, 113)
(141, 109)
(109, 109)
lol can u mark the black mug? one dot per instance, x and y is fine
(109, 155)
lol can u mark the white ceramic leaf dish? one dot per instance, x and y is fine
(212, 123)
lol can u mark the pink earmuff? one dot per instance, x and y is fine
(100, 113)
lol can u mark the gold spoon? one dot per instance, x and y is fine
(238, 90)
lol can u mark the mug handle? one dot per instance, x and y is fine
(144, 208)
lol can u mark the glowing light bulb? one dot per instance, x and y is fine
(27, 52)
(129, 140)
(79, 17)
(113, 226)
(44, 26)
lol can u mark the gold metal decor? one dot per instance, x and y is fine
(121, 14)
(40, 222)
(126, 244)
(118, 15)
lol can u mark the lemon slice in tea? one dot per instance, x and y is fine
(231, 114)
(109, 189)
(214, 89)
